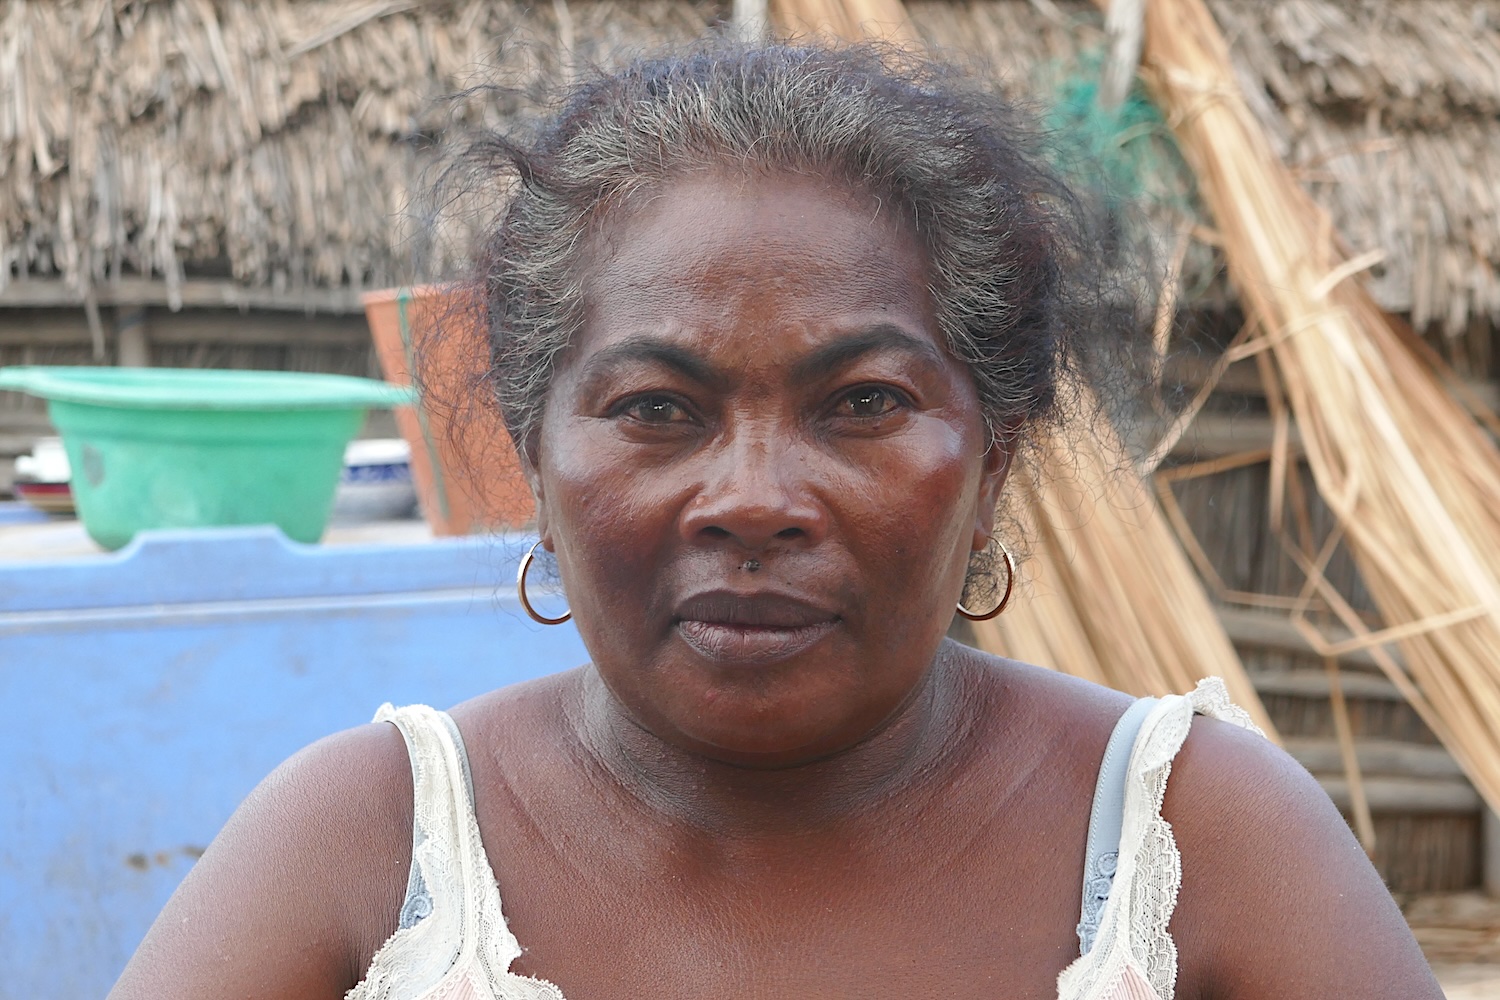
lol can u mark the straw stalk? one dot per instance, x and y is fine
(1412, 479)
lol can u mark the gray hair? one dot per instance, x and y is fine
(1002, 233)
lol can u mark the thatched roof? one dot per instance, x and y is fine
(265, 139)
(1389, 110)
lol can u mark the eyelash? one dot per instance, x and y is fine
(897, 398)
(631, 405)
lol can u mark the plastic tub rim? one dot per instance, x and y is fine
(90, 386)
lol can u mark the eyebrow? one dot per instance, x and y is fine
(650, 350)
(830, 357)
(881, 337)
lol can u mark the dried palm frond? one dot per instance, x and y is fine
(1411, 478)
(1111, 597)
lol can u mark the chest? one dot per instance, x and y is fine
(954, 906)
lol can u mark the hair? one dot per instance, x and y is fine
(1034, 275)
(1012, 254)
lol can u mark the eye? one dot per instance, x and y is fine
(869, 401)
(654, 409)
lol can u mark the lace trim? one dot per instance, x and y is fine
(1133, 933)
(1211, 698)
(465, 941)
(464, 938)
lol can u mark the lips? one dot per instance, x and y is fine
(751, 629)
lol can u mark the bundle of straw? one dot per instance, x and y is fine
(1412, 479)
(847, 19)
(1111, 596)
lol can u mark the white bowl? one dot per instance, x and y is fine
(376, 482)
(47, 463)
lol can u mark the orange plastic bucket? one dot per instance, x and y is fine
(465, 469)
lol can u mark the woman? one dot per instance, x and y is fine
(770, 328)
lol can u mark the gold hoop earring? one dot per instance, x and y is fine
(536, 616)
(1010, 588)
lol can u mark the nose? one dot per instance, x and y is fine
(756, 493)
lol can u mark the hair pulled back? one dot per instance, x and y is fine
(1004, 236)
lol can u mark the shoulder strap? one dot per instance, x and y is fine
(440, 802)
(1133, 953)
(1106, 819)
(451, 922)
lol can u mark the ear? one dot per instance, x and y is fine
(992, 476)
(530, 468)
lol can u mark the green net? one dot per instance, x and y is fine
(1125, 154)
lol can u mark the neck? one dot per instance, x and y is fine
(924, 738)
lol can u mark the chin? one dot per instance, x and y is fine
(796, 710)
(775, 727)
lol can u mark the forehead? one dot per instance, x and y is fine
(767, 259)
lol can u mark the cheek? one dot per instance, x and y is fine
(610, 521)
(914, 501)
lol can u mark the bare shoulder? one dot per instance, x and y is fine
(361, 773)
(300, 887)
(1040, 702)
(1042, 733)
(515, 717)
(343, 804)
(1277, 894)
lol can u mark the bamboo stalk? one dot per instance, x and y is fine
(1409, 475)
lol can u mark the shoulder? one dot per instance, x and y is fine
(1276, 892)
(310, 869)
(354, 783)
(1041, 726)
(358, 767)
(1038, 701)
(333, 823)
(1230, 784)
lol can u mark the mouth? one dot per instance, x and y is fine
(751, 629)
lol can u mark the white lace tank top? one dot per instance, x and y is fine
(452, 941)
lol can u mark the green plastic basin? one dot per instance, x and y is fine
(186, 448)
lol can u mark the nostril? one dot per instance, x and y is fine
(714, 531)
(789, 533)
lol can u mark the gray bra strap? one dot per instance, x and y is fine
(418, 901)
(1102, 854)
(463, 756)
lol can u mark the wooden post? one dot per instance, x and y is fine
(1489, 850)
(132, 348)
(752, 20)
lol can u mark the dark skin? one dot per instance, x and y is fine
(811, 793)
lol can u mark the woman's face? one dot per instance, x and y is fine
(760, 470)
